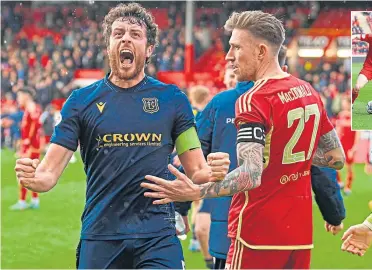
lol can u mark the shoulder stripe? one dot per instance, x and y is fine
(251, 94)
(245, 100)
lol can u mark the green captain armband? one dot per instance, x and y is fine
(368, 222)
(187, 140)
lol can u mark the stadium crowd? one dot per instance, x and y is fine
(71, 38)
(360, 47)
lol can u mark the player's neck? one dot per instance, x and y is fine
(270, 70)
(126, 83)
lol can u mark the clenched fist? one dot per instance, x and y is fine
(219, 163)
(25, 171)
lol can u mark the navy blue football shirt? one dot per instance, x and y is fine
(124, 134)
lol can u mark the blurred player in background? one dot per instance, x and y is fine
(281, 116)
(30, 141)
(365, 74)
(127, 125)
(349, 142)
(358, 238)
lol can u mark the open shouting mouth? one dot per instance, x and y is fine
(126, 57)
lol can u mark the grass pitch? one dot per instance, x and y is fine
(361, 119)
(46, 238)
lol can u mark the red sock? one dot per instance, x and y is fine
(23, 193)
(354, 95)
(35, 195)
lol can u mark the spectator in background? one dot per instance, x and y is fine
(199, 97)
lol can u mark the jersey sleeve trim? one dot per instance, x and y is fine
(64, 145)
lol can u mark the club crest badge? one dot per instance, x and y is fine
(150, 105)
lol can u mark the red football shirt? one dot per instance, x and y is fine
(278, 214)
(368, 62)
(30, 131)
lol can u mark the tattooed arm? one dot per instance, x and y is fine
(329, 152)
(247, 176)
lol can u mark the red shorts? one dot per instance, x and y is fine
(242, 257)
(367, 73)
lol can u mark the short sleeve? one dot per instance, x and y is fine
(184, 118)
(204, 127)
(66, 132)
(252, 108)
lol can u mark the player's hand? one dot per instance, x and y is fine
(368, 169)
(357, 239)
(176, 161)
(332, 228)
(25, 171)
(180, 190)
(219, 163)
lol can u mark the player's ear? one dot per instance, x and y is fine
(285, 68)
(263, 50)
(149, 50)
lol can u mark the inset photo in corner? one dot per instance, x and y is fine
(361, 27)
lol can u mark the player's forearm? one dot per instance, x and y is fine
(334, 159)
(246, 177)
(195, 166)
(44, 181)
(51, 168)
(202, 175)
(329, 152)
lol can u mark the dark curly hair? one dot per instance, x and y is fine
(138, 14)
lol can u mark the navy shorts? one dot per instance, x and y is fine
(163, 252)
(206, 206)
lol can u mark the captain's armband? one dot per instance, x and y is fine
(187, 140)
(251, 132)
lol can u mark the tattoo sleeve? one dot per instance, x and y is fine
(329, 152)
(247, 176)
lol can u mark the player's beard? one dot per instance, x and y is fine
(122, 73)
(246, 72)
